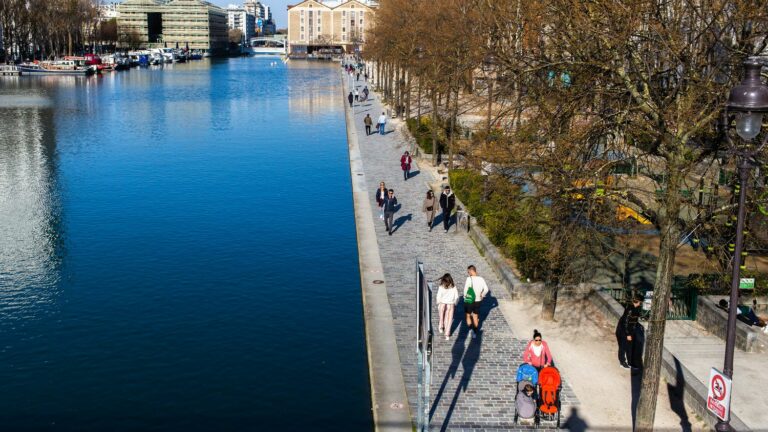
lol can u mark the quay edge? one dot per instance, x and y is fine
(391, 411)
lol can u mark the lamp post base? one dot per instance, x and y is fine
(722, 426)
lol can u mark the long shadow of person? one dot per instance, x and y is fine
(400, 221)
(489, 303)
(457, 352)
(676, 393)
(468, 363)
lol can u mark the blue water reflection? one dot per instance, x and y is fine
(178, 252)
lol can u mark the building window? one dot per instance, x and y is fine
(344, 13)
(302, 37)
(319, 30)
(343, 29)
(344, 38)
(302, 29)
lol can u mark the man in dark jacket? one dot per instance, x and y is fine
(367, 121)
(390, 206)
(351, 99)
(447, 203)
(628, 335)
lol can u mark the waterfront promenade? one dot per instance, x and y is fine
(473, 380)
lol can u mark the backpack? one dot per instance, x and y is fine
(469, 297)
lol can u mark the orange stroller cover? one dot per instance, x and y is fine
(549, 382)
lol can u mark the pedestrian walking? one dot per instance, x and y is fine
(381, 195)
(350, 98)
(357, 95)
(447, 203)
(447, 299)
(365, 92)
(430, 208)
(368, 121)
(382, 123)
(358, 77)
(366, 76)
(390, 206)
(405, 165)
(628, 336)
(537, 352)
(475, 289)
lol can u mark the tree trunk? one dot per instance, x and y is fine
(408, 96)
(433, 128)
(549, 305)
(654, 346)
(418, 101)
(69, 43)
(451, 140)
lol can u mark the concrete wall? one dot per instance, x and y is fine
(715, 320)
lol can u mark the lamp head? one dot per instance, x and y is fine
(749, 100)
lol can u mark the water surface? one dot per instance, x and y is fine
(177, 252)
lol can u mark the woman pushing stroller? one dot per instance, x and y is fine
(537, 352)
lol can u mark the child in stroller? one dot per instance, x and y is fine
(526, 399)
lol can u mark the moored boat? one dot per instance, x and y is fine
(63, 67)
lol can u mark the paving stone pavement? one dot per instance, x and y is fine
(473, 380)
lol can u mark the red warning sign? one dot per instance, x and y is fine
(719, 394)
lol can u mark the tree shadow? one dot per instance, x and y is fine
(401, 221)
(676, 393)
(575, 423)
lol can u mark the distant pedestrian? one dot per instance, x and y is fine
(382, 123)
(390, 207)
(365, 92)
(405, 165)
(358, 77)
(381, 195)
(350, 98)
(447, 298)
(475, 290)
(430, 208)
(368, 121)
(537, 352)
(447, 203)
(627, 334)
(357, 95)
(366, 76)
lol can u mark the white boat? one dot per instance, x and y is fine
(61, 67)
(168, 54)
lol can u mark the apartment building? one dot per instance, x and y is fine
(323, 27)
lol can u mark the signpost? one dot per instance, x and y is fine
(423, 346)
(747, 283)
(719, 395)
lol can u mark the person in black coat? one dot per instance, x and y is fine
(351, 99)
(390, 206)
(629, 335)
(447, 203)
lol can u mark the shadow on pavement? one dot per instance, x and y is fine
(575, 423)
(676, 393)
(401, 221)
(468, 363)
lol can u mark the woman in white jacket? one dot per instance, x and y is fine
(447, 298)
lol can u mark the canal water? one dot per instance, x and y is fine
(177, 252)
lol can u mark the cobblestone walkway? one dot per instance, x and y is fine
(473, 384)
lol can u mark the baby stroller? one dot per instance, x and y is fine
(526, 402)
(550, 385)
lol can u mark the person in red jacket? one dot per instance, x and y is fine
(405, 164)
(537, 352)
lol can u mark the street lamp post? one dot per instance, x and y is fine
(489, 64)
(747, 103)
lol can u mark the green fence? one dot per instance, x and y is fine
(682, 302)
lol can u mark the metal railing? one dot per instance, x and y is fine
(682, 302)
